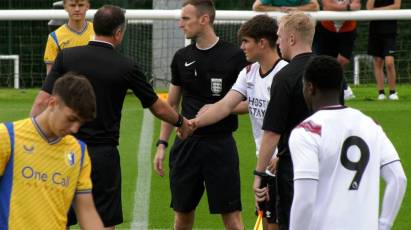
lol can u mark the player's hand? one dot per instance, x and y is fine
(272, 165)
(355, 5)
(185, 130)
(260, 193)
(158, 160)
(286, 9)
(193, 123)
(203, 109)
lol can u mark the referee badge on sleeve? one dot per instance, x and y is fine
(216, 86)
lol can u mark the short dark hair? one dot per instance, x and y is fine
(260, 26)
(324, 72)
(76, 92)
(203, 7)
(108, 19)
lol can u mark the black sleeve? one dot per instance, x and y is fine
(175, 78)
(55, 72)
(242, 62)
(279, 107)
(141, 88)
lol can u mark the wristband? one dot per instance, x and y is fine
(180, 121)
(260, 174)
(162, 142)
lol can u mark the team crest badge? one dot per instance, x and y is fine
(216, 86)
(70, 158)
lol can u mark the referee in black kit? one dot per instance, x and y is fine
(286, 109)
(111, 75)
(202, 73)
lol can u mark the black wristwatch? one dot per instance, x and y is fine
(162, 142)
(180, 121)
(260, 174)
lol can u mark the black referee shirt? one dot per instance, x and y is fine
(111, 75)
(383, 26)
(205, 76)
(287, 107)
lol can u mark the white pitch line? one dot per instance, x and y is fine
(143, 185)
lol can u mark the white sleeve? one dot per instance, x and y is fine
(305, 192)
(241, 84)
(304, 154)
(387, 149)
(396, 183)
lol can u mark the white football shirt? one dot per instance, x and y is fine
(344, 150)
(256, 89)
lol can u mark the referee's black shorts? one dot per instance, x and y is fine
(205, 162)
(106, 178)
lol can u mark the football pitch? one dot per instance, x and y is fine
(146, 196)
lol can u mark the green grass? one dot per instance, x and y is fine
(392, 115)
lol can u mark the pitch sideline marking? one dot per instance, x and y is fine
(143, 184)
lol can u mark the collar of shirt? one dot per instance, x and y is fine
(101, 43)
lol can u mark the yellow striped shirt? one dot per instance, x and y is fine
(64, 37)
(39, 178)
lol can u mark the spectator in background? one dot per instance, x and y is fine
(381, 45)
(285, 5)
(336, 38)
(76, 32)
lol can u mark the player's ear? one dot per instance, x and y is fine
(262, 42)
(52, 101)
(291, 39)
(310, 87)
(205, 19)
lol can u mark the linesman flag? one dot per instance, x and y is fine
(259, 223)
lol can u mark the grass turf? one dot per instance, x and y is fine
(392, 115)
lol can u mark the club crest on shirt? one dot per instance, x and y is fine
(64, 43)
(70, 158)
(216, 86)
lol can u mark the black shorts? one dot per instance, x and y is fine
(209, 162)
(106, 178)
(269, 208)
(285, 187)
(332, 43)
(381, 45)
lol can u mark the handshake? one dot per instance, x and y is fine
(189, 126)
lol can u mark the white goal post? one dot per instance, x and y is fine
(16, 62)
